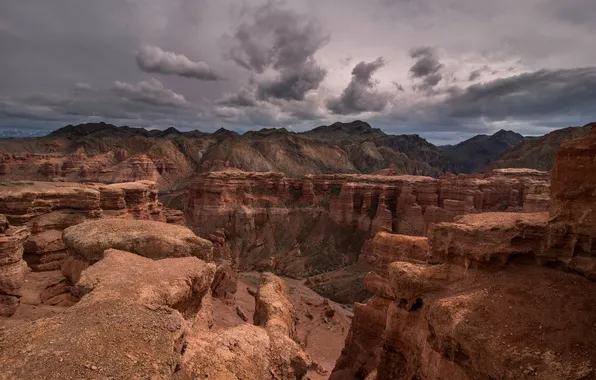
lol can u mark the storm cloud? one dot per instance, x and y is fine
(448, 69)
(427, 67)
(151, 92)
(152, 59)
(361, 95)
(284, 41)
(543, 92)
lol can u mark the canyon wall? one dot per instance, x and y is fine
(306, 226)
(34, 215)
(489, 295)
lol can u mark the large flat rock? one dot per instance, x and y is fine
(86, 242)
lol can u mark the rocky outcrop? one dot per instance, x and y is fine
(247, 351)
(364, 339)
(86, 242)
(141, 318)
(332, 215)
(12, 266)
(40, 211)
(483, 280)
(124, 302)
(273, 309)
(573, 189)
(481, 304)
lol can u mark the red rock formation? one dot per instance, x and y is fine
(335, 214)
(44, 209)
(12, 266)
(573, 187)
(364, 339)
(87, 242)
(486, 303)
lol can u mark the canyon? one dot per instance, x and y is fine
(269, 274)
(489, 295)
(318, 224)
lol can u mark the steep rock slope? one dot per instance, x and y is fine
(539, 153)
(306, 226)
(34, 215)
(105, 153)
(484, 299)
(476, 153)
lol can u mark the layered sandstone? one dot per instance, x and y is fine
(484, 303)
(332, 215)
(12, 266)
(40, 211)
(368, 324)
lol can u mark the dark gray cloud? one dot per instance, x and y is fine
(360, 95)
(293, 83)
(477, 73)
(243, 98)
(426, 68)
(151, 92)
(528, 95)
(152, 59)
(427, 62)
(284, 40)
(285, 64)
(398, 86)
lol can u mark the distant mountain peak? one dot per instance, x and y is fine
(339, 129)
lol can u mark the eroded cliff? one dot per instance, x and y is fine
(301, 227)
(495, 295)
(34, 215)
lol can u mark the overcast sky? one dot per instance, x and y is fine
(444, 69)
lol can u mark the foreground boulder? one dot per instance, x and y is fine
(86, 242)
(129, 323)
(145, 319)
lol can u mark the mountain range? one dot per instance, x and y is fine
(107, 153)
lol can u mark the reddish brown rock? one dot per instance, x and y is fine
(12, 268)
(45, 209)
(246, 351)
(86, 242)
(273, 309)
(225, 282)
(574, 184)
(363, 343)
(45, 251)
(124, 303)
(332, 215)
(484, 305)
